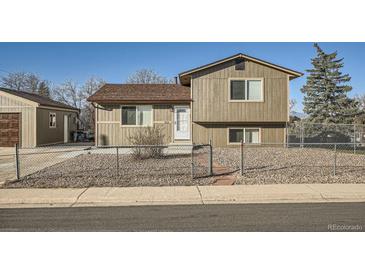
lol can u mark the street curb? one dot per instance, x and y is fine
(171, 203)
(188, 195)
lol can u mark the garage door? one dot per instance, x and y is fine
(9, 129)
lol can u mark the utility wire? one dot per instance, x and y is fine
(3, 70)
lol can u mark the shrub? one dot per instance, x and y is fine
(150, 136)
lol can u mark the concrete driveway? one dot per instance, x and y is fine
(7, 163)
(34, 159)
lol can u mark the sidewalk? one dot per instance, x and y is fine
(134, 196)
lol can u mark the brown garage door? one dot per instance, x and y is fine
(9, 129)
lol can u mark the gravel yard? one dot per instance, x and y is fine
(278, 165)
(262, 165)
(88, 170)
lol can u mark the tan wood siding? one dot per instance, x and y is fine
(110, 132)
(163, 118)
(219, 133)
(47, 135)
(27, 111)
(211, 93)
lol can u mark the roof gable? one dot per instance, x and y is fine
(40, 100)
(185, 76)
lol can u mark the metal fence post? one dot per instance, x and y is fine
(354, 139)
(210, 160)
(17, 169)
(335, 160)
(241, 158)
(192, 161)
(117, 162)
(301, 135)
(287, 134)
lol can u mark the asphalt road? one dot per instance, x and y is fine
(248, 217)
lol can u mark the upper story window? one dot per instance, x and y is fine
(137, 115)
(52, 120)
(246, 90)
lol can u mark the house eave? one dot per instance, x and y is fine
(160, 102)
(240, 122)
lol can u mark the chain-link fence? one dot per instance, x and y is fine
(7, 164)
(201, 161)
(70, 166)
(297, 163)
(301, 132)
(159, 165)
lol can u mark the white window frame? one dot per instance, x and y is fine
(244, 135)
(136, 106)
(55, 119)
(246, 81)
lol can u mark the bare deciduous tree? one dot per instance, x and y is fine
(44, 89)
(14, 80)
(88, 111)
(292, 103)
(361, 100)
(24, 81)
(360, 117)
(32, 82)
(147, 76)
(76, 95)
(68, 93)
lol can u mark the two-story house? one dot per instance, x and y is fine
(233, 99)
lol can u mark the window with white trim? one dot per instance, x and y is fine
(248, 135)
(246, 90)
(140, 115)
(52, 120)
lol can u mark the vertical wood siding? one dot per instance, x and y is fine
(219, 133)
(27, 117)
(211, 88)
(110, 131)
(47, 135)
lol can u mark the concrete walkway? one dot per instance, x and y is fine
(134, 196)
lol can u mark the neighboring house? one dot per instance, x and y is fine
(31, 120)
(239, 97)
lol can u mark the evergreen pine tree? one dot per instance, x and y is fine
(43, 89)
(326, 99)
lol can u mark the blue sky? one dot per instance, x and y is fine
(113, 62)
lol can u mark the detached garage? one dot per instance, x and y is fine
(32, 120)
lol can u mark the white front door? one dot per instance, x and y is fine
(65, 128)
(182, 123)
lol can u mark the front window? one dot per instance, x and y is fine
(137, 115)
(52, 120)
(246, 90)
(247, 135)
(235, 135)
(252, 135)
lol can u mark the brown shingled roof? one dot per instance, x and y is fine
(41, 100)
(125, 93)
